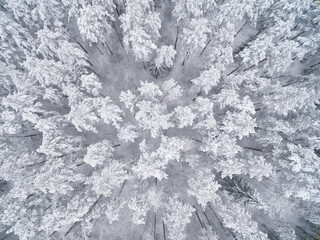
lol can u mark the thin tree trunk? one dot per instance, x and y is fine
(89, 62)
(249, 68)
(117, 145)
(5, 11)
(298, 35)
(73, 226)
(255, 65)
(117, 12)
(164, 231)
(241, 28)
(115, 28)
(201, 223)
(82, 47)
(122, 186)
(175, 43)
(31, 135)
(207, 219)
(98, 49)
(79, 164)
(94, 72)
(301, 236)
(198, 94)
(218, 219)
(205, 47)
(155, 225)
(255, 149)
(185, 58)
(31, 165)
(93, 205)
(47, 207)
(315, 64)
(306, 233)
(233, 70)
(260, 32)
(7, 236)
(109, 48)
(269, 231)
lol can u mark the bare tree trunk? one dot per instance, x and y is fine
(73, 226)
(207, 219)
(201, 223)
(255, 65)
(205, 47)
(221, 222)
(298, 35)
(164, 231)
(82, 47)
(270, 231)
(98, 49)
(94, 72)
(315, 64)
(175, 43)
(185, 58)
(306, 233)
(108, 48)
(79, 164)
(7, 236)
(155, 225)
(115, 28)
(89, 63)
(198, 94)
(233, 70)
(31, 165)
(241, 28)
(122, 187)
(5, 11)
(255, 149)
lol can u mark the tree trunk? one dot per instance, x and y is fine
(82, 47)
(115, 28)
(241, 28)
(233, 70)
(205, 47)
(164, 231)
(73, 226)
(255, 149)
(98, 49)
(298, 35)
(175, 43)
(207, 219)
(155, 225)
(122, 186)
(108, 48)
(185, 58)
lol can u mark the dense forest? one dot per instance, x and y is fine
(159, 119)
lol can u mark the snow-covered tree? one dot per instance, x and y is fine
(140, 27)
(203, 187)
(93, 22)
(165, 56)
(195, 34)
(177, 217)
(111, 176)
(99, 153)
